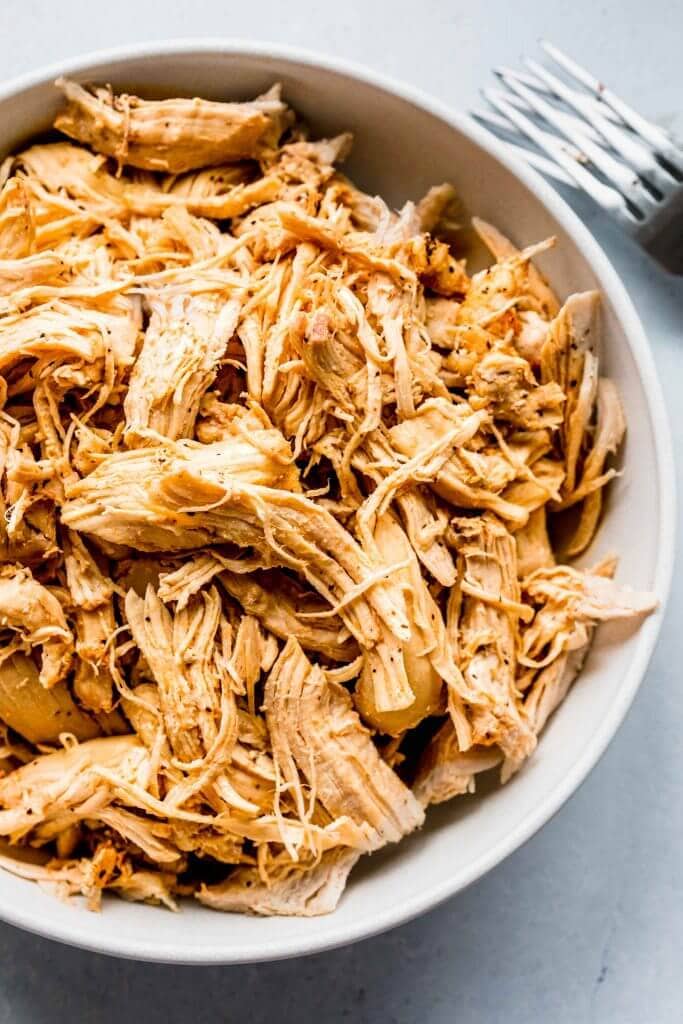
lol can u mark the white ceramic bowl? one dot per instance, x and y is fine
(404, 142)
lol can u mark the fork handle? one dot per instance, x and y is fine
(662, 236)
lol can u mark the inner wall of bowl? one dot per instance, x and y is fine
(400, 150)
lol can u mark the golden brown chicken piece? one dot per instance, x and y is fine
(108, 868)
(37, 617)
(170, 135)
(426, 525)
(504, 385)
(534, 550)
(536, 287)
(220, 192)
(36, 713)
(280, 603)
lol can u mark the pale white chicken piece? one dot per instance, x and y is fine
(569, 359)
(318, 737)
(151, 498)
(304, 891)
(569, 602)
(183, 345)
(610, 427)
(445, 771)
(67, 785)
(423, 664)
(16, 220)
(458, 481)
(552, 683)
(95, 624)
(31, 270)
(491, 606)
(60, 332)
(186, 665)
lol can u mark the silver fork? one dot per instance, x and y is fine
(588, 138)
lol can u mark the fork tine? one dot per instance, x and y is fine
(506, 75)
(617, 173)
(606, 196)
(638, 156)
(529, 156)
(540, 86)
(542, 164)
(660, 140)
(551, 139)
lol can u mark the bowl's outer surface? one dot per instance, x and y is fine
(404, 142)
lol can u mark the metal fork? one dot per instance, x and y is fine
(588, 138)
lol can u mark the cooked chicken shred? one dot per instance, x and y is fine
(288, 499)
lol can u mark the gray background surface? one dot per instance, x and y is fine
(585, 923)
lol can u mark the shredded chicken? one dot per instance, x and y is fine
(315, 732)
(37, 617)
(287, 501)
(445, 770)
(302, 890)
(170, 135)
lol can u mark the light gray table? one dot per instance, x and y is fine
(585, 923)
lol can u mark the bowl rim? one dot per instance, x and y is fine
(431, 895)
